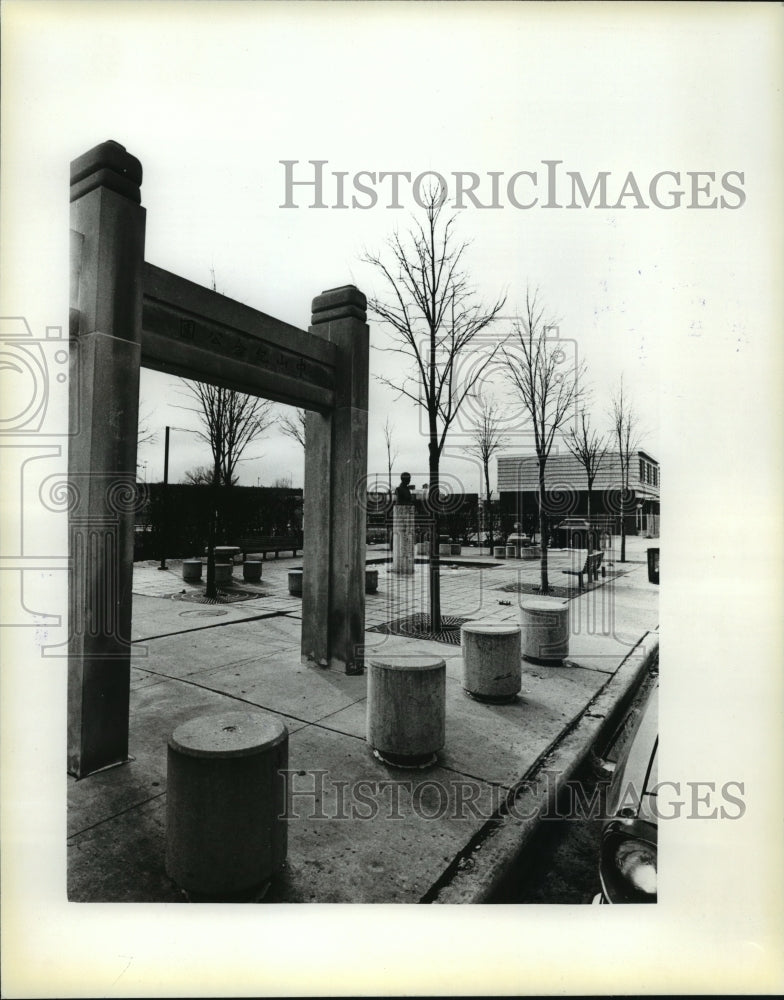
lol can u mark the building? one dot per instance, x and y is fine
(566, 492)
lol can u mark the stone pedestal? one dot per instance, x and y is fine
(545, 629)
(403, 538)
(406, 708)
(251, 570)
(491, 660)
(295, 582)
(371, 581)
(499, 552)
(223, 572)
(224, 797)
(191, 570)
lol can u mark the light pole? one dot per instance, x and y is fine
(164, 504)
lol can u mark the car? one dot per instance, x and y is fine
(629, 840)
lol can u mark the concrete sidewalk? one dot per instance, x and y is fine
(360, 831)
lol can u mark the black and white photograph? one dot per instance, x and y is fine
(391, 498)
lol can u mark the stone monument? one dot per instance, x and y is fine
(403, 528)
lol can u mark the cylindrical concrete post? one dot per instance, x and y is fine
(403, 538)
(371, 581)
(224, 801)
(295, 582)
(499, 552)
(191, 570)
(223, 572)
(545, 629)
(251, 570)
(406, 708)
(491, 660)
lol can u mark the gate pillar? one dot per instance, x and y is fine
(333, 579)
(107, 223)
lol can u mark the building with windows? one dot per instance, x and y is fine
(566, 493)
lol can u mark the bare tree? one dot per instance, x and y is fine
(627, 441)
(231, 421)
(392, 453)
(143, 433)
(294, 427)
(199, 475)
(434, 316)
(549, 388)
(487, 440)
(589, 448)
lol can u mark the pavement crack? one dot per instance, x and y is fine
(106, 819)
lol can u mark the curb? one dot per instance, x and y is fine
(481, 868)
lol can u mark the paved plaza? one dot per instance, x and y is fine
(411, 835)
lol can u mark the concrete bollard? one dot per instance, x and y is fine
(224, 800)
(251, 570)
(499, 552)
(456, 550)
(445, 549)
(545, 629)
(295, 582)
(511, 552)
(406, 708)
(531, 552)
(491, 660)
(371, 581)
(223, 572)
(191, 570)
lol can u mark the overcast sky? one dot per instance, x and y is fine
(684, 302)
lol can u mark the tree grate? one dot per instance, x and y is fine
(418, 627)
(224, 596)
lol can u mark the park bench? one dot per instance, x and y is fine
(269, 543)
(590, 570)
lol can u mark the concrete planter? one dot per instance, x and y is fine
(445, 549)
(224, 795)
(251, 570)
(295, 582)
(531, 552)
(545, 629)
(371, 581)
(191, 570)
(512, 552)
(491, 660)
(406, 708)
(456, 550)
(499, 552)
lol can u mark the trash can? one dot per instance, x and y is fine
(653, 565)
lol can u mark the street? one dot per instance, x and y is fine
(562, 863)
